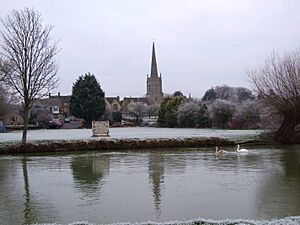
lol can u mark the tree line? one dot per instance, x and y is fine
(221, 107)
(28, 70)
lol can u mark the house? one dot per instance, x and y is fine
(56, 105)
(113, 103)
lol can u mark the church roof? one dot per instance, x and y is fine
(111, 99)
(143, 100)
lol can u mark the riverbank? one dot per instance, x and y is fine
(108, 144)
(125, 138)
(293, 220)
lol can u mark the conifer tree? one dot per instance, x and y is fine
(87, 100)
(167, 115)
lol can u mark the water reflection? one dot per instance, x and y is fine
(169, 162)
(27, 202)
(291, 161)
(156, 178)
(89, 172)
(160, 185)
(175, 163)
(282, 186)
(9, 175)
(18, 203)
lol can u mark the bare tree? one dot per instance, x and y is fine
(221, 112)
(152, 110)
(137, 110)
(277, 82)
(27, 58)
(187, 114)
(3, 102)
(8, 101)
(2, 78)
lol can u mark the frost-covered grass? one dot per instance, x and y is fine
(65, 137)
(284, 221)
(128, 132)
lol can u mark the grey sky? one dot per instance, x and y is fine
(199, 44)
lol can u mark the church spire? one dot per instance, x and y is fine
(154, 72)
(154, 82)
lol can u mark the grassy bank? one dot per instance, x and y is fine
(107, 144)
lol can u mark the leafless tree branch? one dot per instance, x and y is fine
(28, 57)
(277, 82)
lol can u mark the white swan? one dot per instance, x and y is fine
(221, 151)
(243, 150)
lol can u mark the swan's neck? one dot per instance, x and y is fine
(238, 148)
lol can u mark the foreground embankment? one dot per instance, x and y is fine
(107, 144)
(286, 221)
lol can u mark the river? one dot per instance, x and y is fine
(152, 185)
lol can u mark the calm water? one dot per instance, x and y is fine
(158, 185)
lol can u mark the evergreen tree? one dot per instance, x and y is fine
(210, 95)
(178, 93)
(202, 119)
(167, 115)
(117, 116)
(161, 120)
(87, 100)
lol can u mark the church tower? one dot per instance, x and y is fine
(154, 82)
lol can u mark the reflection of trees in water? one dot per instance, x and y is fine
(89, 171)
(291, 162)
(34, 209)
(21, 206)
(175, 163)
(280, 193)
(27, 197)
(10, 193)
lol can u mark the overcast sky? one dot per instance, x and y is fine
(199, 44)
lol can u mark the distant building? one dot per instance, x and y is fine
(129, 102)
(154, 82)
(62, 104)
(153, 96)
(113, 103)
(13, 116)
(58, 106)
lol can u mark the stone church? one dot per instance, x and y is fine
(154, 82)
(154, 92)
(153, 96)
